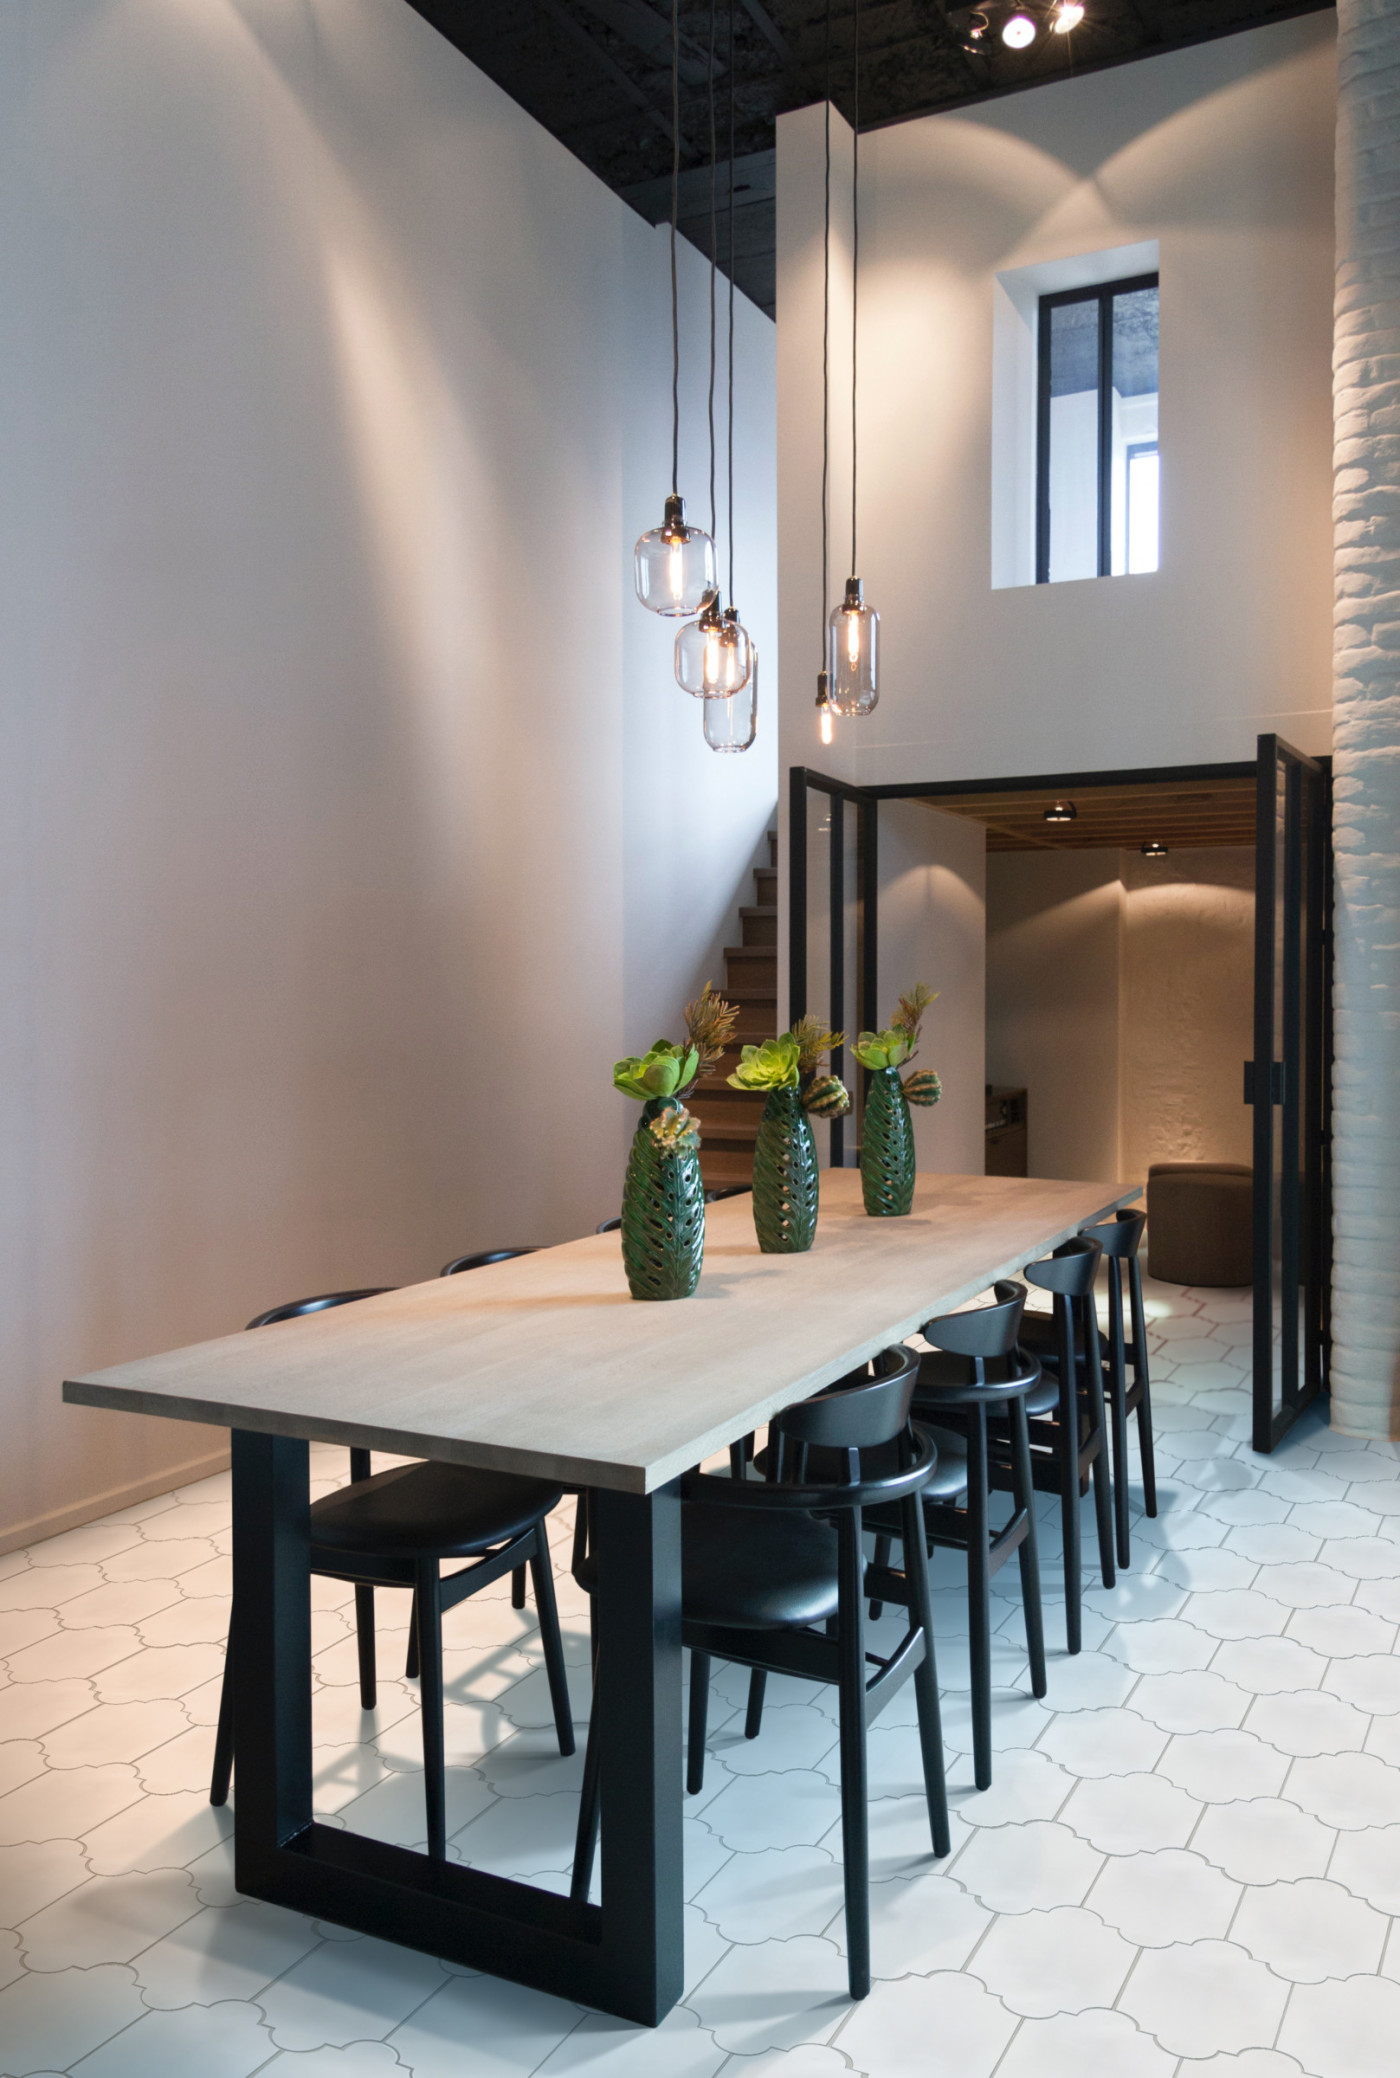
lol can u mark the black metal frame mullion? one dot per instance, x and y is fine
(802, 783)
(836, 1008)
(1106, 433)
(1260, 1091)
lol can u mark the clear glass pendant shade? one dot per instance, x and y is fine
(674, 565)
(713, 653)
(851, 653)
(733, 723)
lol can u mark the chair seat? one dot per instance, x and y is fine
(446, 1511)
(753, 1571)
(1045, 1399)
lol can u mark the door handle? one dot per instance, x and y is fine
(1276, 1082)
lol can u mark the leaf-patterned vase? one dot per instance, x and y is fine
(887, 1148)
(785, 1177)
(663, 1215)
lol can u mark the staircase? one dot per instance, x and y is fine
(729, 1118)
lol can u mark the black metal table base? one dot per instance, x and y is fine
(624, 1956)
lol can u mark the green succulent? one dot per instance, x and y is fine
(660, 1072)
(827, 1097)
(887, 1049)
(771, 1066)
(676, 1130)
(923, 1087)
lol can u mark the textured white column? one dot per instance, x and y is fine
(1366, 745)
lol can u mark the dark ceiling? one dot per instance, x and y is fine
(597, 75)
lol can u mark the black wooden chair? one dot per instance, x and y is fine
(482, 1260)
(395, 1529)
(774, 1577)
(1068, 1442)
(971, 1393)
(1119, 1239)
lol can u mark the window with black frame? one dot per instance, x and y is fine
(1096, 509)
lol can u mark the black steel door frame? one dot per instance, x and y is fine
(625, 1955)
(1290, 1088)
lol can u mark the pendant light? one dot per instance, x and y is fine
(674, 564)
(853, 629)
(714, 657)
(825, 719)
(732, 723)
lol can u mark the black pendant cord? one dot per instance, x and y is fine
(855, 270)
(729, 466)
(675, 206)
(714, 244)
(826, 350)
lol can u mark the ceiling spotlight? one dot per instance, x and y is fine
(1061, 812)
(1018, 32)
(1066, 16)
(1154, 849)
(975, 31)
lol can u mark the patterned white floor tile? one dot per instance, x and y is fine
(1261, 1840)
(928, 2027)
(510, 2028)
(791, 1737)
(776, 1994)
(118, 1601)
(747, 1815)
(108, 1919)
(33, 1874)
(1172, 1895)
(1251, 2063)
(1239, 1612)
(775, 1894)
(1061, 1961)
(1270, 1666)
(1103, 1742)
(224, 1954)
(1344, 2029)
(1342, 1631)
(59, 1805)
(1220, 1767)
(47, 1587)
(1196, 1702)
(20, 1761)
(1368, 1864)
(602, 2048)
(73, 1655)
(921, 1923)
(1071, 2044)
(1130, 1814)
(358, 2060)
(1310, 1930)
(158, 1674)
(1349, 1790)
(157, 1833)
(1166, 1646)
(1308, 1722)
(1207, 1571)
(1274, 1543)
(114, 1732)
(48, 2022)
(1030, 1867)
(225, 2041)
(1203, 1996)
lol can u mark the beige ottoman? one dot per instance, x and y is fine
(1200, 1222)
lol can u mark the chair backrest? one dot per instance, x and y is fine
(320, 1304)
(988, 1331)
(481, 1261)
(608, 1226)
(729, 1190)
(1119, 1236)
(868, 1407)
(1070, 1271)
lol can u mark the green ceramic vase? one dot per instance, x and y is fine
(785, 1177)
(663, 1215)
(887, 1148)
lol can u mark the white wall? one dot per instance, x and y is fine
(1223, 155)
(1120, 996)
(353, 824)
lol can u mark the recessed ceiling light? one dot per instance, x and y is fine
(1018, 32)
(1061, 812)
(1154, 849)
(1068, 15)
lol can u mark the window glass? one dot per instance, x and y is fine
(1135, 462)
(1074, 440)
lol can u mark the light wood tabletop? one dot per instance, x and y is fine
(546, 1365)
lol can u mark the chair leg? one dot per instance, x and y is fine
(1140, 1377)
(410, 1667)
(429, 1600)
(1146, 1452)
(364, 1639)
(855, 1834)
(699, 1718)
(979, 1597)
(223, 1737)
(1103, 1499)
(882, 1559)
(586, 1837)
(1118, 1405)
(1023, 1494)
(926, 1677)
(753, 1716)
(517, 1588)
(1067, 1449)
(542, 1574)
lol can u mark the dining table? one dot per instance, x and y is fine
(544, 1365)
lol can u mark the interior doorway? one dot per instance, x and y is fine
(1149, 935)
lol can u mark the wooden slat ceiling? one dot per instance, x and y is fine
(1182, 814)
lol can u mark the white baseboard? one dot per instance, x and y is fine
(56, 1520)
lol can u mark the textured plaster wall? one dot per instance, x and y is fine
(1186, 1007)
(1120, 997)
(1366, 739)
